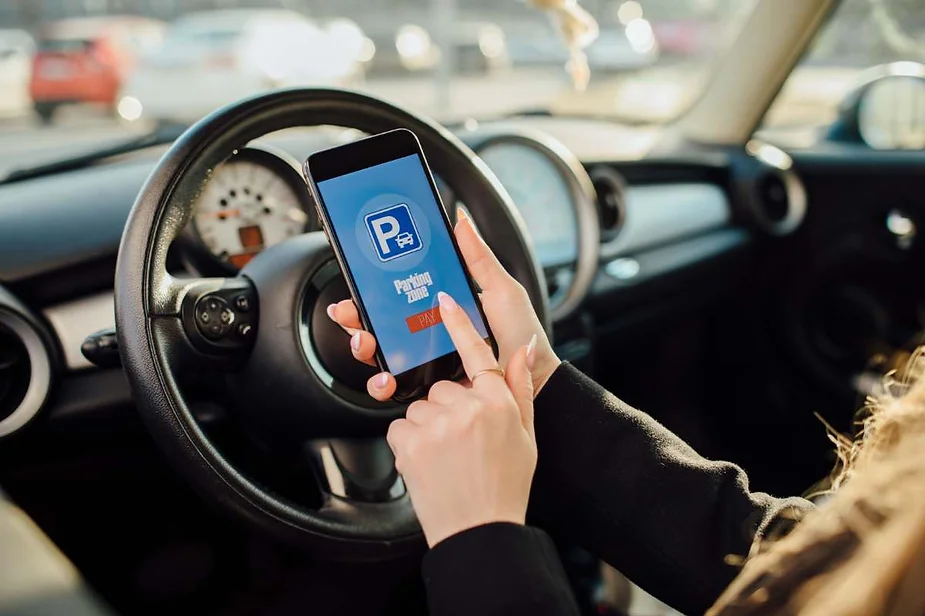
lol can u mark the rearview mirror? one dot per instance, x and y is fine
(886, 111)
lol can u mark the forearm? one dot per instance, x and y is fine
(621, 485)
(498, 569)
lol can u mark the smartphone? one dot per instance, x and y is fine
(381, 209)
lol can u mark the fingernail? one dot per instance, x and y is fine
(461, 215)
(447, 302)
(331, 308)
(531, 356)
(381, 381)
(355, 342)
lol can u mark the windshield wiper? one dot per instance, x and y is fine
(163, 134)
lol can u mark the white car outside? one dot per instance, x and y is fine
(213, 58)
(16, 50)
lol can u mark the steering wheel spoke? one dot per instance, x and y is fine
(358, 469)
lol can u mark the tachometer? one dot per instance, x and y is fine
(252, 201)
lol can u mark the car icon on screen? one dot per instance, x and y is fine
(393, 232)
(404, 239)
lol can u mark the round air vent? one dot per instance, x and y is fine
(25, 371)
(611, 200)
(772, 193)
(778, 198)
(15, 371)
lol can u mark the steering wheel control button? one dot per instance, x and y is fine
(221, 319)
(213, 316)
(227, 316)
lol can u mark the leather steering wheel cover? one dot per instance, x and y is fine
(146, 318)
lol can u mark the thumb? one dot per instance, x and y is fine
(520, 381)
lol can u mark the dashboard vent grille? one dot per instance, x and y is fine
(15, 371)
(611, 200)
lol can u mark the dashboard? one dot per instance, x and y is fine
(656, 215)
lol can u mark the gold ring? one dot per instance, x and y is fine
(498, 371)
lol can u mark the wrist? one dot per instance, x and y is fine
(543, 371)
(437, 535)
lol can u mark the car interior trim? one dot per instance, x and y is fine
(660, 213)
(796, 200)
(39, 373)
(781, 164)
(98, 399)
(73, 321)
(746, 79)
(35, 577)
(675, 257)
(610, 187)
(76, 217)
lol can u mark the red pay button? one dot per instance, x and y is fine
(423, 320)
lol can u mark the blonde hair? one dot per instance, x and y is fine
(863, 551)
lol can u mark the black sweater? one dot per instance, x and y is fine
(616, 482)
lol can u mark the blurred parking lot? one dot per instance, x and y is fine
(77, 74)
(811, 100)
(25, 139)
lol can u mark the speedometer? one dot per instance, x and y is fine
(541, 193)
(252, 201)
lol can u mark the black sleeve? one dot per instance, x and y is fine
(498, 569)
(615, 481)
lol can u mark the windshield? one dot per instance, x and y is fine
(91, 73)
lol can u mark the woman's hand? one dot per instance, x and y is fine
(505, 302)
(467, 454)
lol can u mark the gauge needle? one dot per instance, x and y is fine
(232, 213)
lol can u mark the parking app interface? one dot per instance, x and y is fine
(393, 238)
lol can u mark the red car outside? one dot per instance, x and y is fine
(85, 60)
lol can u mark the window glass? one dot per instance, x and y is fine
(859, 35)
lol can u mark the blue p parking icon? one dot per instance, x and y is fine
(393, 232)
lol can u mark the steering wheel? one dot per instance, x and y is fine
(262, 342)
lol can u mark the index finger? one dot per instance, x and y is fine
(481, 261)
(476, 355)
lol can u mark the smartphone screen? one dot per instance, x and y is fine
(395, 240)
